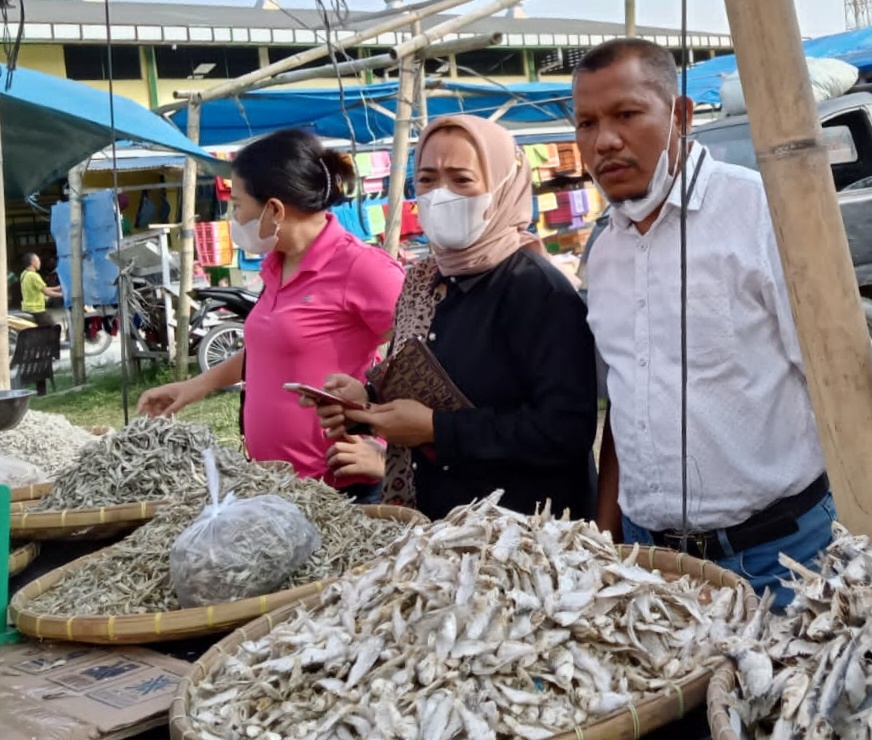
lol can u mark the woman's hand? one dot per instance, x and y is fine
(357, 456)
(169, 399)
(402, 422)
(333, 416)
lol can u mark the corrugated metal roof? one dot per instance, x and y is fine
(83, 12)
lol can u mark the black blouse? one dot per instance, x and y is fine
(515, 340)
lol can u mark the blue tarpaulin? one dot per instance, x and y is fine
(320, 111)
(50, 124)
(854, 47)
(99, 239)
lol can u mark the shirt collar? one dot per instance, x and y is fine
(674, 197)
(319, 252)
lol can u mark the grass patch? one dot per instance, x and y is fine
(100, 403)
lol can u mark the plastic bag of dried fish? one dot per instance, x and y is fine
(15, 472)
(239, 548)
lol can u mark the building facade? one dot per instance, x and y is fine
(160, 48)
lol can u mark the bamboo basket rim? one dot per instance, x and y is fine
(47, 525)
(32, 492)
(633, 721)
(22, 556)
(164, 626)
(722, 684)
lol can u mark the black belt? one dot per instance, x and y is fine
(773, 523)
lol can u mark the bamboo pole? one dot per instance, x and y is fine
(400, 155)
(380, 61)
(420, 82)
(186, 261)
(422, 40)
(811, 239)
(5, 373)
(244, 83)
(77, 285)
(629, 18)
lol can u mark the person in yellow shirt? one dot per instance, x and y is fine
(34, 291)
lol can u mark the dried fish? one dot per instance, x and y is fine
(148, 460)
(46, 440)
(446, 634)
(806, 673)
(133, 577)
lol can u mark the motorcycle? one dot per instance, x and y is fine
(217, 324)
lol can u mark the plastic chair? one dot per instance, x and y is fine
(33, 361)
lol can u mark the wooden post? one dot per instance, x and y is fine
(186, 261)
(420, 82)
(630, 18)
(75, 179)
(400, 154)
(811, 239)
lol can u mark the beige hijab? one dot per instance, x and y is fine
(508, 180)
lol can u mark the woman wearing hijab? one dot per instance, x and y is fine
(507, 328)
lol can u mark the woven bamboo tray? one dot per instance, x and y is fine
(22, 556)
(136, 629)
(630, 723)
(96, 523)
(723, 684)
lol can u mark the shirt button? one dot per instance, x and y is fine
(642, 362)
(414, 466)
(643, 246)
(641, 303)
(445, 468)
(432, 336)
(453, 279)
(642, 425)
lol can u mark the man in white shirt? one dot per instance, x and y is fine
(755, 471)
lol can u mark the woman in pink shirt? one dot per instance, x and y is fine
(328, 302)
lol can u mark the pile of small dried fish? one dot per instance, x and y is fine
(485, 625)
(46, 440)
(148, 460)
(807, 673)
(134, 576)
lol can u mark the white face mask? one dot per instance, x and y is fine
(453, 221)
(638, 209)
(247, 236)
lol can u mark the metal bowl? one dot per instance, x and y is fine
(13, 406)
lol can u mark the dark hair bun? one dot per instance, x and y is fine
(342, 176)
(293, 166)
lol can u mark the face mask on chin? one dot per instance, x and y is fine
(453, 221)
(638, 209)
(247, 236)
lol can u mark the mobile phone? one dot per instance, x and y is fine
(320, 396)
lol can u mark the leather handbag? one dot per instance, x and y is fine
(415, 373)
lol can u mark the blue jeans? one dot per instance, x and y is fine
(759, 565)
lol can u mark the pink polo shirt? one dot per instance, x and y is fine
(329, 317)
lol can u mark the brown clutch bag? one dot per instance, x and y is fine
(415, 373)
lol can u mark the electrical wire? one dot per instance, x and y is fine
(682, 159)
(122, 299)
(11, 46)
